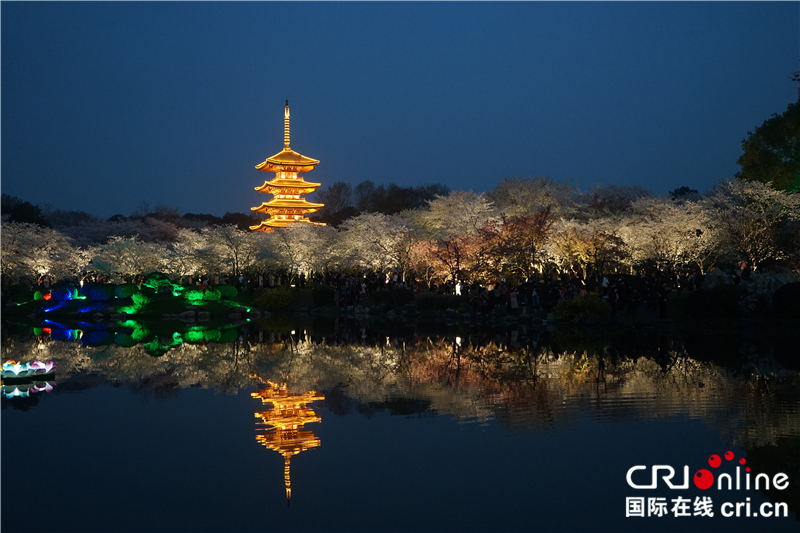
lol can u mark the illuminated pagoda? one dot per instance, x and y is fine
(287, 187)
(282, 426)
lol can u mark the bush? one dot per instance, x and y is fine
(102, 292)
(124, 340)
(398, 297)
(126, 290)
(457, 302)
(701, 304)
(98, 338)
(62, 294)
(212, 335)
(18, 293)
(715, 278)
(140, 333)
(578, 309)
(211, 295)
(86, 287)
(141, 299)
(157, 281)
(228, 335)
(58, 334)
(729, 296)
(441, 302)
(228, 292)
(767, 283)
(322, 295)
(379, 297)
(427, 300)
(194, 335)
(721, 301)
(274, 300)
(786, 300)
(193, 295)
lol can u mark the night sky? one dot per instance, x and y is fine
(108, 105)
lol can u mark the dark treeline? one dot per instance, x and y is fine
(343, 201)
(14, 209)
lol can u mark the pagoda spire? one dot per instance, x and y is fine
(287, 479)
(286, 127)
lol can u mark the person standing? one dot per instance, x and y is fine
(513, 301)
(663, 293)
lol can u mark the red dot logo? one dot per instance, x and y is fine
(715, 461)
(703, 479)
(742, 461)
(729, 456)
(748, 468)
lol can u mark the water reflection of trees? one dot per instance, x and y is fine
(521, 378)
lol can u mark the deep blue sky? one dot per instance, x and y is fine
(107, 105)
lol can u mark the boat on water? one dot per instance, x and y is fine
(24, 390)
(13, 370)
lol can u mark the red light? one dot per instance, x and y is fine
(46, 330)
(46, 296)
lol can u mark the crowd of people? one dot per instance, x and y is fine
(623, 292)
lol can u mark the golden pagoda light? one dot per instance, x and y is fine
(281, 427)
(287, 187)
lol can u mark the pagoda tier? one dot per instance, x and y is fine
(285, 183)
(288, 159)
(288, 205)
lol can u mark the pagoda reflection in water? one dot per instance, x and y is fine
(281, 427)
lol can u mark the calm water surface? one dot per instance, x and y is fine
(491, 430)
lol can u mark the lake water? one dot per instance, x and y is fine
(404, 429)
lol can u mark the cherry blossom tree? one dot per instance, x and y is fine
(571, 245)
(458, 257)
(234, 250)
(30, 251)
(612, 199)
(672, 235)
(459, 213)
(302, 248)
(752, 214)
(123, 258)
(379, 242)
(185, 256)
(528, 196)
(516, 245)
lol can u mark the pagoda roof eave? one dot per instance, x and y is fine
(279, 184)
(287, 158)
(295, 209)
(285, 190)
(271, 224)
(292, 203)
(289, 210)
